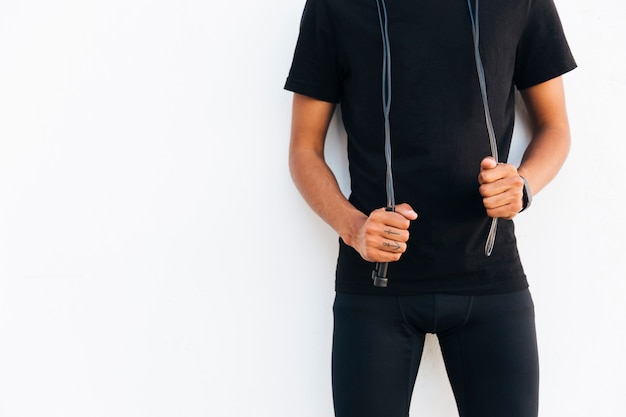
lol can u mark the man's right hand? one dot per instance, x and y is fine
(383, 236)
(380, 237)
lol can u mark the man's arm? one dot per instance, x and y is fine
(374, 236)
(501, 184)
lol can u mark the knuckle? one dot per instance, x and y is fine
(369, 254)
(376, 214)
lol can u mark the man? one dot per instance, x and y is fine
(440, 280)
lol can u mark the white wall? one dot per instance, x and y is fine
(155, 259)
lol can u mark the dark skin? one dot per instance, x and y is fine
(382, 236)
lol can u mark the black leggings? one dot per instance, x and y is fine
(488, 345)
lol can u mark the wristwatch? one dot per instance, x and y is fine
(527, 196)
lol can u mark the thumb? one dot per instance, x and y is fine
(488, 163)
(406, 210)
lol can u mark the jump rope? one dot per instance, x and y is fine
(379, 274)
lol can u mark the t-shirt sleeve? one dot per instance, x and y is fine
(543, 52)
(314, 70)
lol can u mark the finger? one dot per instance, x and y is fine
(384, 218)
(488, 163)
(499, 172)
(406, 210)
(384, 251)
(512, 185)
(505, 205)
(383, 256)
(492, 189)
(507, 212)
(393, 246)
(496, 202)
(400, 235)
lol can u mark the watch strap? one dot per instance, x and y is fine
(527, 196)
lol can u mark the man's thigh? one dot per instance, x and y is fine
(375, 357)
(492, 360)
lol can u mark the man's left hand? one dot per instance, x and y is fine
(501, 188)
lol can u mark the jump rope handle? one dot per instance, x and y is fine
(379, 274)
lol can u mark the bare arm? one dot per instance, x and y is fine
(546, 153)
(372, 236)
(310, 173)
(501, 185)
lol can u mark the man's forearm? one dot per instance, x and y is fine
(550, 143)
(545, 155)
(320, 189)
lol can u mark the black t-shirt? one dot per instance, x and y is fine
(438, 130)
